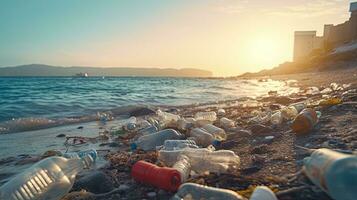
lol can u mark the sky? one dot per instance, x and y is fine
(227, 37)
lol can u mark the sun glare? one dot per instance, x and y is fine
(263, 51)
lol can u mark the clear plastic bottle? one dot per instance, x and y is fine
(203, 159)
(183, 166)
(179, 144)
(50, 178)
(276, 118)
(196, 191)
(167, 119)
(151, 141)
(263, 193)
(217, 132)
(82, 154)
(226, 123)
(333, 172)
(148, 130)
(131, 123)
(203, 118)
(202, 137)
(183, 124)
(305, 121)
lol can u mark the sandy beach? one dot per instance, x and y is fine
(276, 162)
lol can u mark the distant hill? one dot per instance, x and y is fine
(47, 70)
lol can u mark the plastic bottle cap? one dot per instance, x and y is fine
(133, 146)
(216, 143)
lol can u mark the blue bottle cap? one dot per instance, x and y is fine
(133, 146)
(216, 143)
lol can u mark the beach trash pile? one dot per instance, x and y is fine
(172, 152)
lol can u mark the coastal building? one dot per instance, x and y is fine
(333, 36)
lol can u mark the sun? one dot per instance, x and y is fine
(264, 51)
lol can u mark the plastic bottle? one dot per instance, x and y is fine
(221, 112)
(162, 177)
(202, 137)
(333, 172)
(203, 118)
(226, 123)
(263, 193)
(218, 133)
(131, 123)
(183, 166)
(203, 159)
(179, 144)
(289, 112)
(167, 119)
(196, 191)
(305, 121)
(148, 130)
(183, 124)
(149, 142)
(82, 154)
(276, 118)
(50, 178)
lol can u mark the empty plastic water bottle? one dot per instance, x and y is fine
(196, 191)
(81, 154)
(167, 119)
(50, 178)
(217, 132)
(151, 141)
(183, 166)
(305, 121)
(203, 159)
(226, 123)
(334, 172)
(162, 177)
(263, 193)
(202, 137)
(148, 130)
(203, 118)
(178, 144)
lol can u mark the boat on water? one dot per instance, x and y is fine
(82, 75)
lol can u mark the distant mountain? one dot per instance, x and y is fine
(47, 70)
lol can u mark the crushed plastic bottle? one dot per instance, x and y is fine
(162, 177)
(50, 178)
(289, 112)
(203, 118)
(217, 132)
(178, 144)
(276, 118)
(226, 123)
(151, 141)
(305, 121)
(202, 137)
(203, 159)
(167, 119)
(183, 166)
(334, 172)
(263, 193)
(196, 191)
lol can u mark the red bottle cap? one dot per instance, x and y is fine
(162, 177)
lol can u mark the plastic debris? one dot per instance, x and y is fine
(263, 193)
(178, 144)
(151, 141)
(221, 112)
(305, 121)
(330, 102)
(162, 177)
(226, 123)
(202, 137)
(217, 132)
(50, 178)
(334, 172)
(196, 191)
